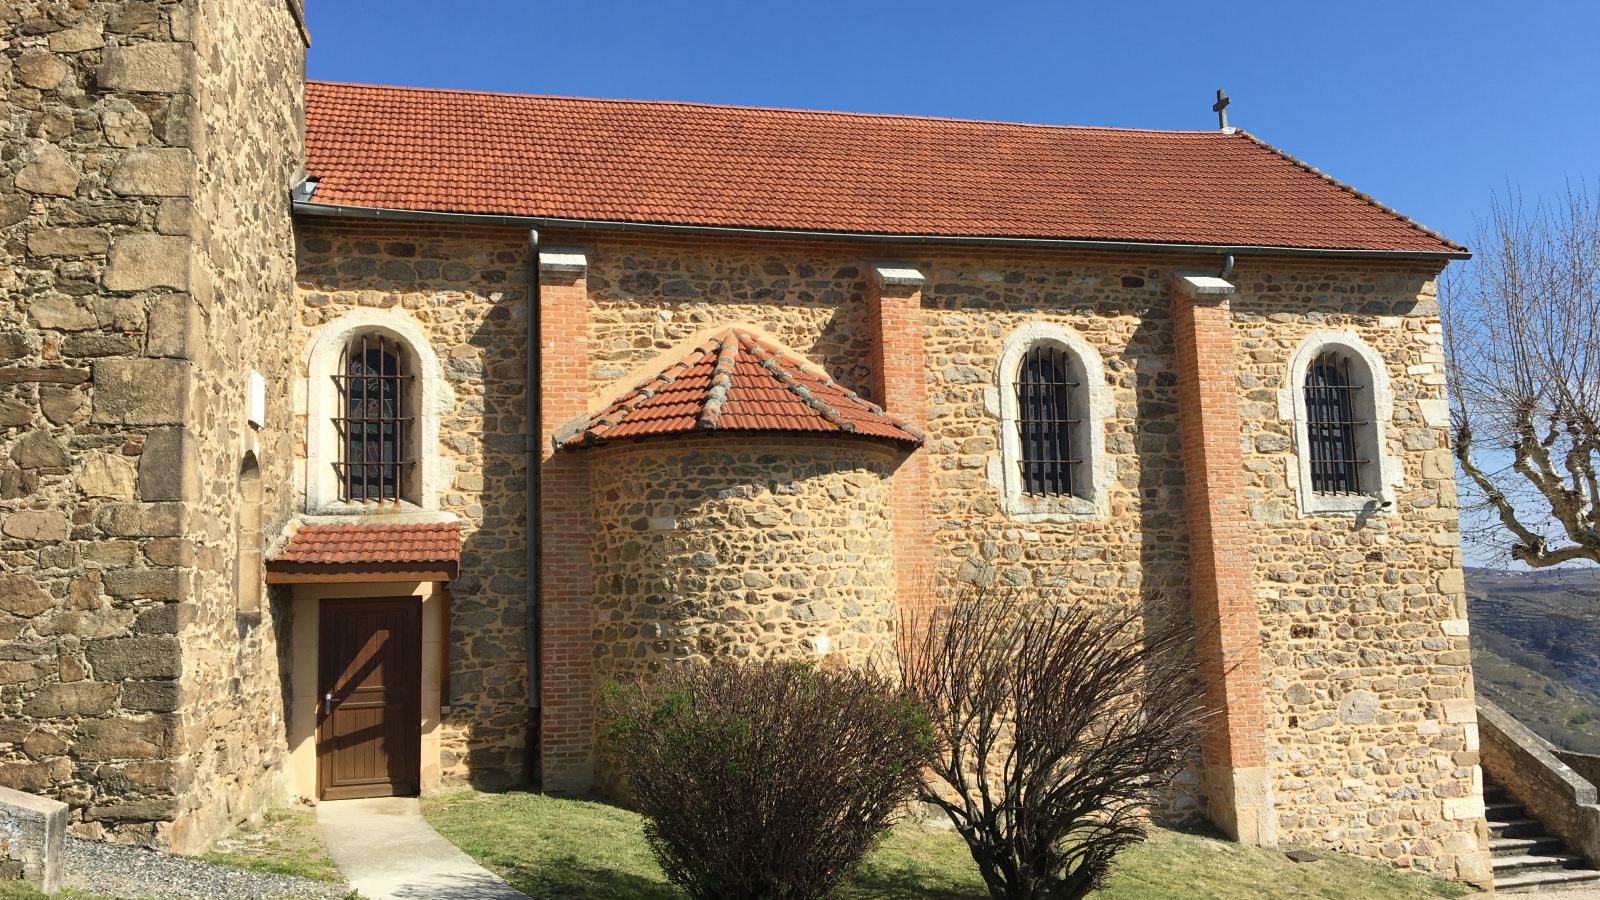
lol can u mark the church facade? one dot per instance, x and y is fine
(283, 519)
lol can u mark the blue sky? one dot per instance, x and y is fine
(1428, 107)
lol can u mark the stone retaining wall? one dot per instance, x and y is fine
(1587, 765)
(1528, 767)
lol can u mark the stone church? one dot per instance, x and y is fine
(281, 518)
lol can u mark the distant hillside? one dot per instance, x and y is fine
(1536, 649)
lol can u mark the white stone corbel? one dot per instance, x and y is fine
(564, 260)
(1203, 286)
(896, 274)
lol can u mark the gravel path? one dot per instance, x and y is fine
(101, 868)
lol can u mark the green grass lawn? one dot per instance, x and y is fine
(563, 849)
(286, 842)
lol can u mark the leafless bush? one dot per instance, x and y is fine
(1523, 333)
(1059, 727)
(767, 781)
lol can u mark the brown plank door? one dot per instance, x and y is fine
(369, 716)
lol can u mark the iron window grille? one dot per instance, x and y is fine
(1045, 427)
(372, 386)
(1331, 426)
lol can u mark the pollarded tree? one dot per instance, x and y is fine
(1522, 328)
(1059, 727)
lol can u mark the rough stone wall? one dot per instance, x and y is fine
(467, 290)
(741, 547)
(648, 299)
(1120, 306)
(647, 296)
(1364, 647)
(249, 109)
(120, 353)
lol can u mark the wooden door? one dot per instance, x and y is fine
(369, 730)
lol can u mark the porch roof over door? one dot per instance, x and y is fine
(428, 551)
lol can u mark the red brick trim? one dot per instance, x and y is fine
(899, 385)
(1222, 581)
(566, 618)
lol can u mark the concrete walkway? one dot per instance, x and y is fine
(389, 852)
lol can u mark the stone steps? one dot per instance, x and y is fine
(1519, 828)
(1519, 846)
(1544, 881)
(1526, 858)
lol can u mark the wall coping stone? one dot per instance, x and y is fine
(33, 830)
(1202, 286)
(889, 274)
(573, 260)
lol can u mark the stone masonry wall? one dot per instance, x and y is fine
(467, 289)
(249, 104)
(1120, 306)
(121, 354)
(741, 547)
(1364, 642)
(650, 295)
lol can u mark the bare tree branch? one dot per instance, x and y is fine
(1522, 330)
(1058, 727)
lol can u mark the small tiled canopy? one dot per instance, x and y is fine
(738, 381)
(412, 552)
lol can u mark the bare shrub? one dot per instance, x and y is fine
(1059, 727)
(767, 781)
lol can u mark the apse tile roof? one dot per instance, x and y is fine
(428, 545)
(661, 163)
(737, 381)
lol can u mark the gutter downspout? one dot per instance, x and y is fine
(534, 426)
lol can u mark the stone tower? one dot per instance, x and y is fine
(145, 271)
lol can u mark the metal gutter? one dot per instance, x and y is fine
(370, 212)
(408, 215)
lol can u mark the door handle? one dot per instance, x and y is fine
(327, 704)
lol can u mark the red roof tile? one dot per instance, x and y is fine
(737, 381)
(432, 545)
(694, 164)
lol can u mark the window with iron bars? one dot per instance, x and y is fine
(1046, 430)
(1332, 426)
(373, 427)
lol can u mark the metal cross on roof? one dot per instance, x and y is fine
(1221, 109)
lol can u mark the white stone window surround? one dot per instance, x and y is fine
(1375, 405)
(1094, 406)
(431, 397)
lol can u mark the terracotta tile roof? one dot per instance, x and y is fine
(694, 164)
(430, 546)
(737, 381)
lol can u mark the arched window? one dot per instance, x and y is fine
(1052, 400)
(373, 424)
(1047, 425)
(248, 535)
(1338, 399)
(1331, 425)
(373, 393)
